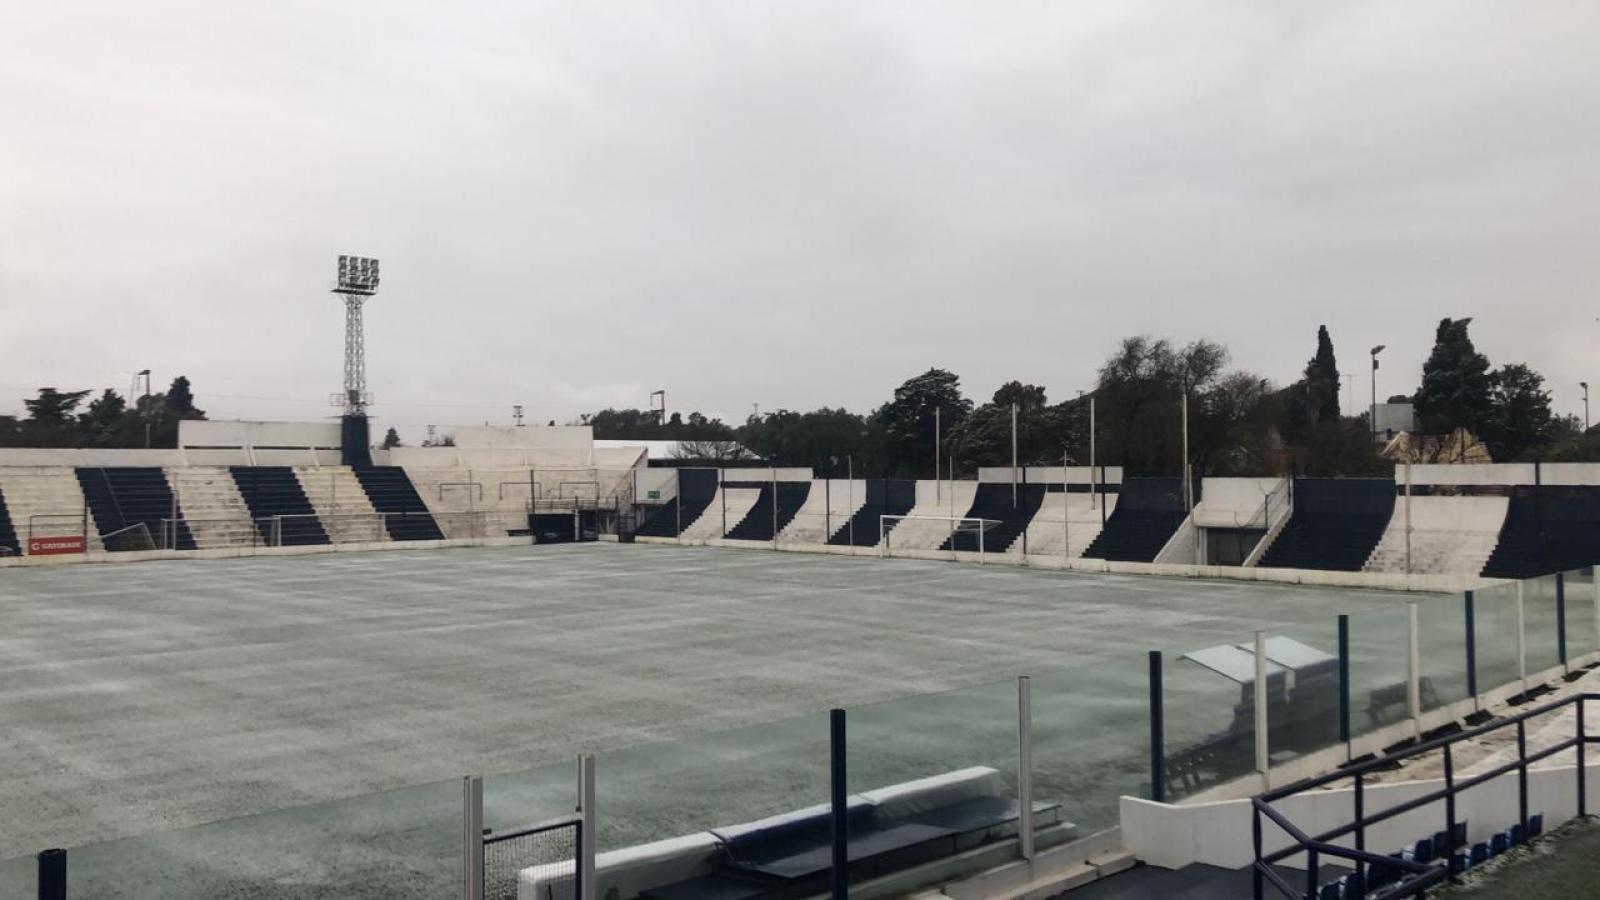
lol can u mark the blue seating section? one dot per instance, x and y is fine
(994, 501)
(275, 491)
(1547, 529)
(391, 492)
(8, 532)
(1441, 849)
(696, 488)
(1148, 513)
(1335, 526)
(885, 497)
(757, 525)
(125, 496)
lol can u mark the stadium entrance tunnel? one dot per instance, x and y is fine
(564, 527)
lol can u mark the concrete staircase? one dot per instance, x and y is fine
(212, 507)
(47, 501)
(341, 504)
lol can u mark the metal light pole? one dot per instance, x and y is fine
(661, 414)
(1188, 493)
(1585, 386)
(358, 282)
(1374, 414)
(937, 437)
(1094, 482)
(146, 404)
(1013, 455)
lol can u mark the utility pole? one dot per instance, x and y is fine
(937, 437)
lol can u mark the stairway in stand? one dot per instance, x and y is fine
(340, 502)
(757, 525)
(122, 498)
(391, 492)
(8, 534)
(1336, 524)
(47, 501)
(885, 497)
(1148, 512)
(272, 492)
(212, 508)
(994, 502)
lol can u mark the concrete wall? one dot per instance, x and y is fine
(1219, 834)
(1234, 502)
(300, 435)
(462, 458)
(524, 437)
(83, 456)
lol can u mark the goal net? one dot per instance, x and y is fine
(908, 533)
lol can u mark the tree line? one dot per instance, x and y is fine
(62, 419)
(1239, 423)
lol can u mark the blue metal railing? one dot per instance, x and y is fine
(1420, 876)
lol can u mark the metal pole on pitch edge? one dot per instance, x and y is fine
(839, 805)
(1263, 758)
(1158, 786)
(1344, 683)
(1561, 620)
(1472, 651)
(53, 875)
(472, 838)
(1025, 765)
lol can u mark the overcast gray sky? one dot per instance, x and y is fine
(792, 204)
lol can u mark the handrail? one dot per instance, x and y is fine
(1425, 874)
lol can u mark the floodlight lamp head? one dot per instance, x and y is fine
(1378, 349)
(357, 275)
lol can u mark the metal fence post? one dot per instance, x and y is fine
(1583, 784)
(472, 838)
(839, 804)
(1158, 787)
(1522, 642)
(587, 828)
(1025, 766)
(1522, 774)
(1344, 683)
(1561, 620)
(1472, 652)
(1450, 806)
(1263, 760)
(1414, 668)
(53, 875)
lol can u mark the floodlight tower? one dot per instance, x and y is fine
(358, 282)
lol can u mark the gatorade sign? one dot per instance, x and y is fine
(52, 546)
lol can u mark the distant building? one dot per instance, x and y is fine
(1392, 419)
(1460, 446)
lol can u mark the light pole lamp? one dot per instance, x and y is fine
(1374, 414)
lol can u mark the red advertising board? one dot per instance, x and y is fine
(50, 546)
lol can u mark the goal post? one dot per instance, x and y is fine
(948, 526)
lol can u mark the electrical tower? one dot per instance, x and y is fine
(358, 281)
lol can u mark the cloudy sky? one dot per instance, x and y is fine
(786, 204)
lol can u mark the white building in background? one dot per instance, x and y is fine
(1392, 419)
